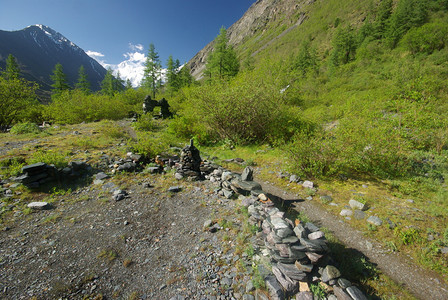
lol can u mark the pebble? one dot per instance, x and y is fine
(374, 220)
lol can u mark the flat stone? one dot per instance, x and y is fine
(340, 293)
(244, 187)
(330, 272)
(304, 287)
(208, 223)
(248, 297)
(356, 204)
(39, 205)
(279, 223)
(101, 176)
(346, 212)
(250, 286)
(319, 246)
(284, 232)
(291, 271)
(178, 176)
(355, 293)
(274, 288)
(303, 268)
(227, 193)
(154, 170)
(326, 198)
(300, 231)
(313, 257)
(226, 176)
(294, 178)
(34, 168)
(374, 220)
(290, 240)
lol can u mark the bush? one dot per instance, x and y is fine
(50, 157)
(23, 128)
(428, 38)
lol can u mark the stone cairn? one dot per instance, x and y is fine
(189, 165)
(297, 253)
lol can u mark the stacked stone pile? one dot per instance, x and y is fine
(35, 175)
(189, 165)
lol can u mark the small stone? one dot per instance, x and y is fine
(344, 283)
(248, 297)
(346, 212)
(208, 223)
(174, 189)
(101, 176)
(356, 204)
(313, 257)
(355, 293)
(294, 178)
(228, 194)
(330, 272)
(303, 287)
(374, 220)
(274, 288)
(262, 197)
(303, 268)
(311, 227)
(316, 235)
(444, 250)
(326, 199)
(308, 184)
(178, 176)
(341, 294)
(39, 205)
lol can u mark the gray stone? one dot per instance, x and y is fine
(294, 178)
(318, 246)
(330, 272)
(246, 201)
(39, 205)
(291, 271)
(284, 232)
(101, 176)
(178, 176)
(248, 297)
(250, 286)
(392, 225)
(303, 268)
(346, 212)
(34, 168)
(248, 174)
(313, 257)
(226, 281)
(178, 297)
(316, 235)
(154, 170)
(444, 250)
(374, 220)
(355, 293)
(344, 283)
(226, 176)
(300, 231)
(278, 223)
(308, 184)
(356, 204)
(332, 297)
(340, 293)
(289, 285)
(274, 288)
(290, 240)
(208, 223)
(311, 227)
(227, 193)
(359, 215)
(244, 187)
(304, 296)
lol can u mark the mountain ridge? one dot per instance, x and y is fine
(38, 48)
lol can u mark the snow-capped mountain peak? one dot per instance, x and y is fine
(55, 36)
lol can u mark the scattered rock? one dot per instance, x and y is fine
(346, 212)
(330, 272)
(248, 174)
(359, 215)
(308, 184)
(39, 205)
(355, 293)
(356, 204)
(174, 189)
(374, 220)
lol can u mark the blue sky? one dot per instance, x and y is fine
(120, 31)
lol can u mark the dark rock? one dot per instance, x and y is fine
(289, 285)
(244, 187)
(274, 288)
(101, 176)
(303, 267)
(294, 178)
(344, 283)
(34, 168)
(359, 215)
(341, 294)
(153, 170)
(311, 227)
(291, 271)
(174, 189)
(326, 199)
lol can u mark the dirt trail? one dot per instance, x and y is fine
(423, 284)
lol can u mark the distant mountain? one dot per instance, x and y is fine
(39, 48)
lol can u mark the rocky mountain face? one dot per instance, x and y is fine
(39, 48)
(258, 18)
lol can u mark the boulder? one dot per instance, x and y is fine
(248, 174)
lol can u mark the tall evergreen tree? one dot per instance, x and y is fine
(59, 78)
(83, 83)
(172, 70)
(222, 61)
(185, 78)
(108, 83)
(12, 70)
(118, 83)
(152, 72)
(128, 84)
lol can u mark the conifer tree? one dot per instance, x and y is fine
(118, 83)
(59, 78)
(172, 76)
(152, 72)
(83, 83)
(12, 70)
(128, 84)
(108, 83)
(222, 61)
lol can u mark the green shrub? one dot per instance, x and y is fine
(428, 38)
(23, 128)
(11, 166)
(145, 123)
(149, 145)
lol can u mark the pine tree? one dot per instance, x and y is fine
(12, 70)
(118, 83)
(59, 78)
(172, 75)
(83, 83)
(108, 83)
(222, 61)
(185, 78)
(128, 84)
(152, 72)
(344, 46)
